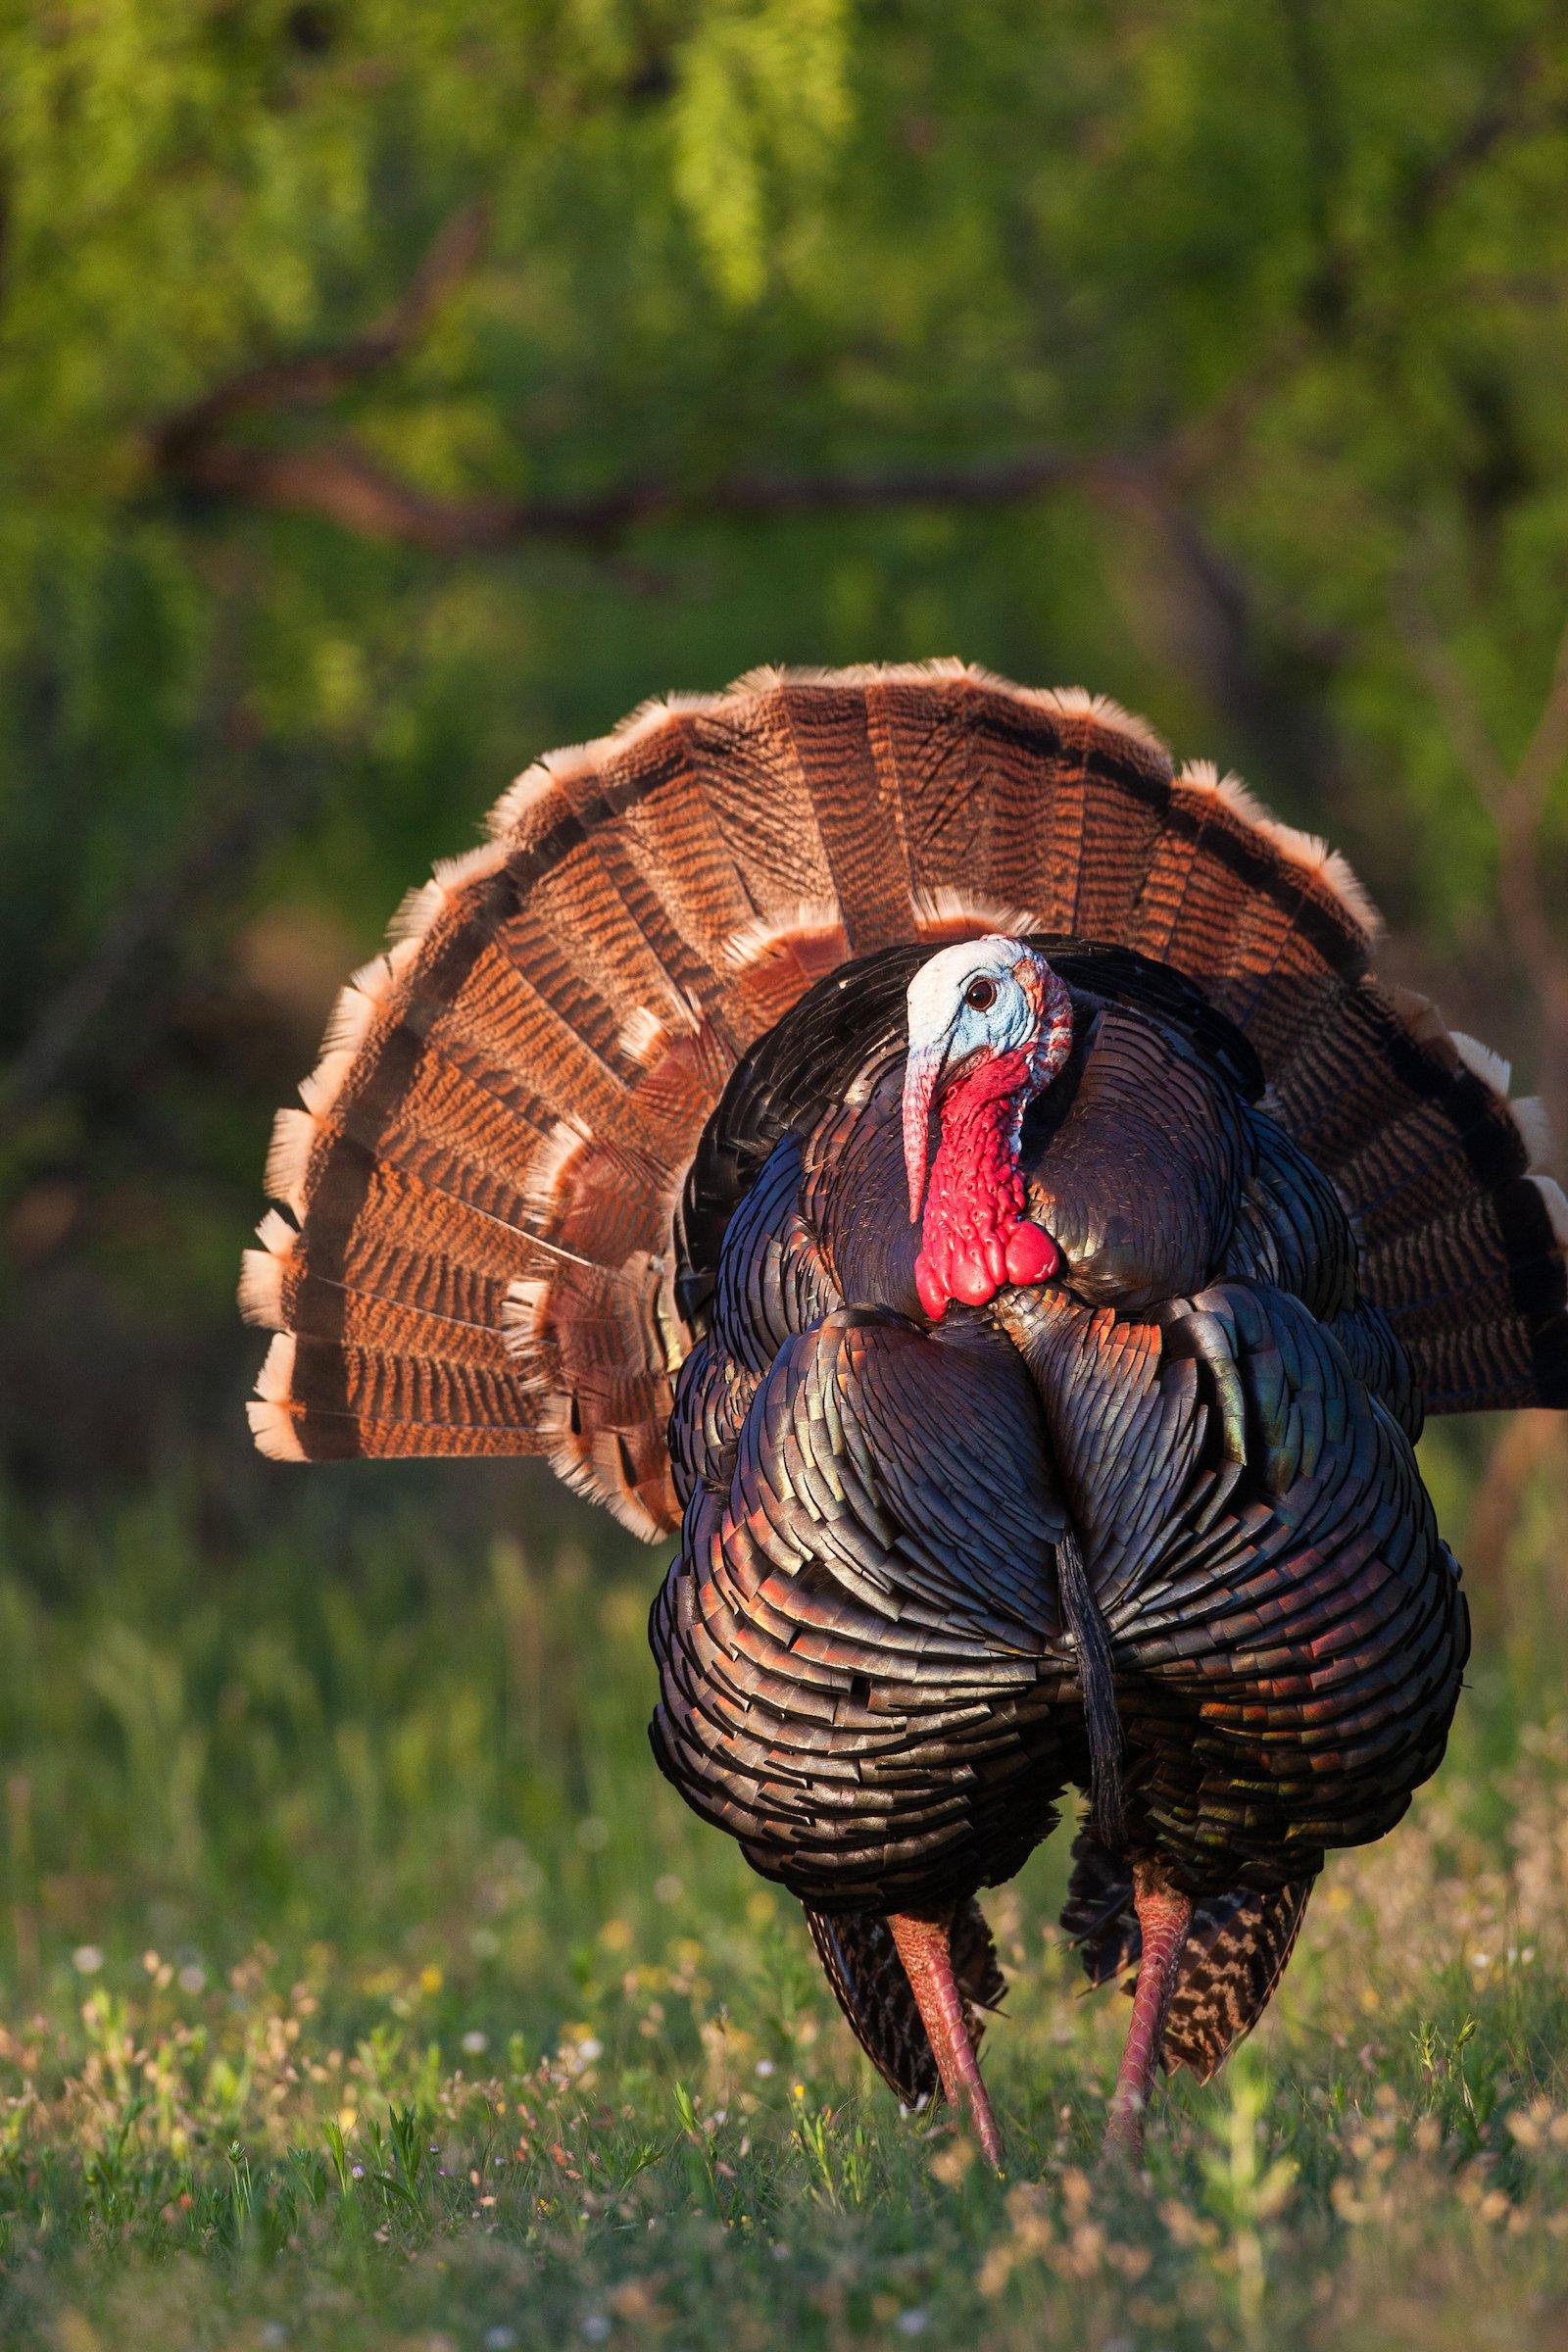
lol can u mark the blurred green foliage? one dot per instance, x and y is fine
(388, 392)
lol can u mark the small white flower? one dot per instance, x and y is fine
(86, 1959)
(590, 2048)
(193, 1978)
(272, 2335)
(765, 2067)
(596, 2327)
(475, 2043)
(913, 2323)
(500, 2339)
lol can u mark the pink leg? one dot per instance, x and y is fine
(1163, 1916)
(924, 1949)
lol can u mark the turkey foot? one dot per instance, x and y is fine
(924, 1947)
(1163, 1916)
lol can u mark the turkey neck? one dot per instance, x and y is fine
(975, 1198)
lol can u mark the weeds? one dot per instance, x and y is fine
(369, 1988)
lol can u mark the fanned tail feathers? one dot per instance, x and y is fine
(1463, 1233)
(471, 1250)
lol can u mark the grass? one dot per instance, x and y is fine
(364, 1985)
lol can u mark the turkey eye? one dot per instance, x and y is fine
(981, 993)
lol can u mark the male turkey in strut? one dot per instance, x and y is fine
(888, 1133)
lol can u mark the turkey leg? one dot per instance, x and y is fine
(1164, 1916)
(924, 1946)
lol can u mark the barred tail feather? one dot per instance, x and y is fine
(1235, 1954)
(862, 1963)
(472, 1247)
(1464, 1231)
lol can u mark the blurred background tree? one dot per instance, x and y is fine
(390, 389)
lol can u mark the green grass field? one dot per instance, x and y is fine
(364, 1986)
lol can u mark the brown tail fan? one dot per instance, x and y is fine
(471, 1249)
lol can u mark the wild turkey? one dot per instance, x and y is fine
(889, 1132)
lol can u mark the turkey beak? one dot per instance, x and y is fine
(921, 1071)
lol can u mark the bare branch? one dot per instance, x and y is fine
(342, 482)
(1252, 671)
(1457, 705)
(1527, 1444)
(1523, 789)
(1516, 800)
(1541, 760)
(1260, 671)
(1325, 292)
(1245, 665)
(1510, 106)
(308, 379)
(125, 967)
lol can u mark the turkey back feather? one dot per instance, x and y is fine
(472, 1250)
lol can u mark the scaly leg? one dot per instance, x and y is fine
(1164, 1916)
(925, 1948)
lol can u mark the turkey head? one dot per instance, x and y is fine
(990, 1026)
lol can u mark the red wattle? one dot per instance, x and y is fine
(969, 1277)
(933, 1295)
(975, 1237)
(1032, 1255)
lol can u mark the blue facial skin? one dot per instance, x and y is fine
(945, 1024)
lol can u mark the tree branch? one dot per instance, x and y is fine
(1508, 107)
(1542, 757)
(1325, 293)
(1252, 675)
(1517, 799)
(342, 482)
(309, 379)
(1264, 677)
(125, 967)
